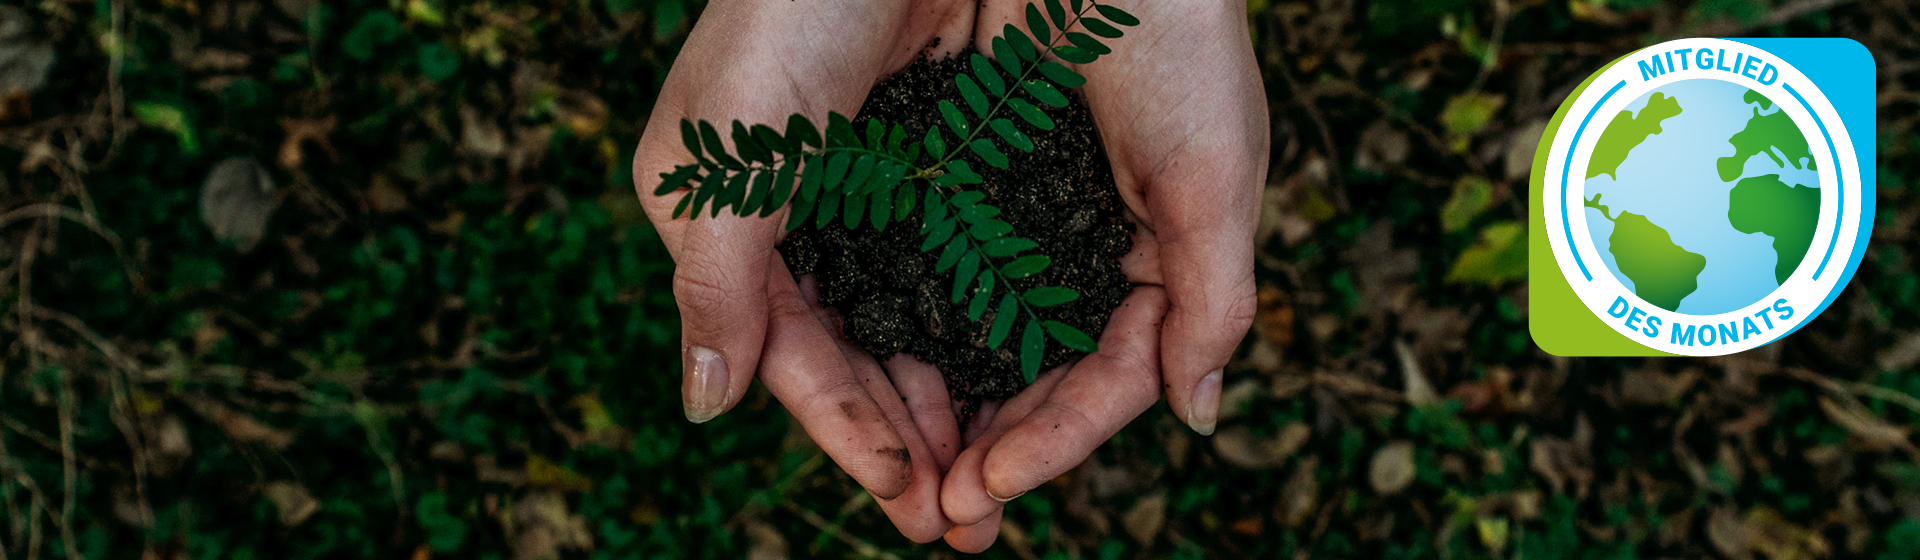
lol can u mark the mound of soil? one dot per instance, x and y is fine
(1060, 195)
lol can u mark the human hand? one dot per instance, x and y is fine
(1185, 126)
(742, 313)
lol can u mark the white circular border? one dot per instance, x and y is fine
(1801, 287)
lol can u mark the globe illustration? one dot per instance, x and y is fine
(1702, 196)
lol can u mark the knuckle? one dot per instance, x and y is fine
(700, 290)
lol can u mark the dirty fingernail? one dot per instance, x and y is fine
(1204, 409)
(1006, 499)
(704, 389)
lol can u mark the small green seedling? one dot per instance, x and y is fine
(850, 178)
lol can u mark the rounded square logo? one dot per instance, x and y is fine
(1701, 197)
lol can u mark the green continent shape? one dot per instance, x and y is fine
(1627, 131)
(1762, 135)
(1663, 273)
(1784, 212)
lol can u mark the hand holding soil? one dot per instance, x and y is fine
(1184, 125)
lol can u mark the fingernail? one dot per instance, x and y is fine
(1204, 409)
(704, 389)
(1006, 499)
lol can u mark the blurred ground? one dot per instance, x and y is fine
(431, 321)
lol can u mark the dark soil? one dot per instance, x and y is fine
(1061, 195)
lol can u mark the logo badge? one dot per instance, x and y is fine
(1702, 197)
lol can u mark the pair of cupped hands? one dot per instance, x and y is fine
(1180, 107)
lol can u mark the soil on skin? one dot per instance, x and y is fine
(1061, 195)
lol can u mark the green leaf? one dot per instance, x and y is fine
(1003, 53)
(836, 173)
(840, 131)
(1033, 115)
(989, 78)
(811, 178)
(735, 194)
(963, 171)
(989, 229)
(376, 29)
(1089, 43)
(1033, 345)
(749, 147)
(1471, 196)
(1045, 93)
(981, 296)
(1049, 296)
(1062, 75)
(801, 131)
(1021, 44)
(690, 137)
(880, 208)
(670, 182)
(707, 190)
(1026, 266)
(1003, 318)
(903, 202)
(955, 120)
(941, 233)
(802, 207)
(975, 212)
(988, 152)
(886, 175)
(1500, 256)
(970, 92)
(1058, 13)
(1071, 337)
(968, 198)
(437, 62)
(1012, 135)
(962, 276)
(1074, 54)
(709, 187)
(1077, 6)
(936, 206)
(894, 137)
(951, 255)
(782, 187)
(757, 194)
(828, 209)
(681, 208)
(862, 171)
(711, 138)
(773, 140)
(1007, 246)
(1037, 25)
(936, 143)
(854, 209)
(1100, 27)
(1117, 15)
(875, 133)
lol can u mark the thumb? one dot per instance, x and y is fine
(719, 282)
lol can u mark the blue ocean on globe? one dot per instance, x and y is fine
(1672, 180)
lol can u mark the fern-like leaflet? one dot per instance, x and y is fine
(873, 177)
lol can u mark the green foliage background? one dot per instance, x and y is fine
(454, 335)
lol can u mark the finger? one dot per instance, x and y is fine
(964, 495)
(916, 511)
(817, 385)
(975, 538)
(1102, 393)
(925, 392)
